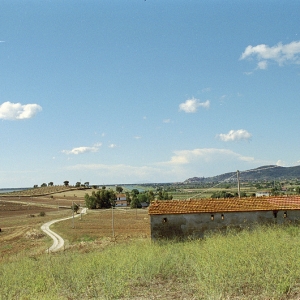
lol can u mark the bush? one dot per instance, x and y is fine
(42, 214)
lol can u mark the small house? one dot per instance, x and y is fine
(120, 200)
(193, 218)
(262, 194)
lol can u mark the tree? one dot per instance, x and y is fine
(222, 194)
(90, 201)
(66, 183)
(119, 189)
(135, 202)
(128, 198)
(163, 195)
(50, 183)
(75, 207)
(100, 199)
(134, 192)
(77, 184)
(87, 184)
(43, 184)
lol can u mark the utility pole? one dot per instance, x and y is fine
(73, 213)
(112, 221)
(238, 180)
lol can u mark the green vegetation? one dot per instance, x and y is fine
(101, 199)
(259, 264)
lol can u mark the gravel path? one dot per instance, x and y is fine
(58, 241)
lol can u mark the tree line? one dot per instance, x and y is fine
(106, 198)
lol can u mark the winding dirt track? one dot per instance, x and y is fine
(58, 241)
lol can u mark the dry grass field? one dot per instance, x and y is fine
(21, 219)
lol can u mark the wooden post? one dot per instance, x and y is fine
(238, 180)
(112, 221)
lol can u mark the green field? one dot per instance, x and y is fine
(259, 264)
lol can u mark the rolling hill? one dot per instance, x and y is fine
(268, 173)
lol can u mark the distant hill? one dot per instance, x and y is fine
(269, 173)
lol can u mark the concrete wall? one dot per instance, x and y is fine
(195, 225)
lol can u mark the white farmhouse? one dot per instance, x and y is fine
(120, 200)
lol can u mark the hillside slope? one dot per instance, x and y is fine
(269, 173)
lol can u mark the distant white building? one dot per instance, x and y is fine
(120, 200)
(262, 194)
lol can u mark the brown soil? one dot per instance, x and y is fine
(20, 223)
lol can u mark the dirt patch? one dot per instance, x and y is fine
(20, 224)
(100, 228)
(34, 234)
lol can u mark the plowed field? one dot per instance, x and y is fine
(20, 222)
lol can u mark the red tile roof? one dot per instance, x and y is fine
(161, 207)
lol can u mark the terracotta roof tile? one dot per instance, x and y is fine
(161, 207)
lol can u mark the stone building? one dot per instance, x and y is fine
(192, 218)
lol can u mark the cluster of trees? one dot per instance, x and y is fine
(224, 194)
(101, 199)
(66, 183)
(106, 198)
(136, 198)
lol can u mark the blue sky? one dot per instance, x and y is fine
(146, 91)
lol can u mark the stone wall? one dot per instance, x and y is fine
(182, 226)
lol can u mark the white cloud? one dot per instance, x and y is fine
(262, 65)
(235, 135)
(281, 54)
(191, 105)
(17, 111)
(112, 146)
(81, 150)
(205, 155)
(137, 137)
(280, 163)
(166, 120)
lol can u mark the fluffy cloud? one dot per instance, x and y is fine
(206, 155)
(191, 105)
(112, 146)
(280, 163)
(282, 54)
(17, 111)
(81, 150)
(235, 135)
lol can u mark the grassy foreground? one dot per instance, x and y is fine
(260, 264)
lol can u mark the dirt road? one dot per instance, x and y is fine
(58, 241)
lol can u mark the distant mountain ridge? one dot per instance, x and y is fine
(269, 173)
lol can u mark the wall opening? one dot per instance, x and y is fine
(212, 217)
(165, 220)
(222, 216)
(285, 214)
(275, 213)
